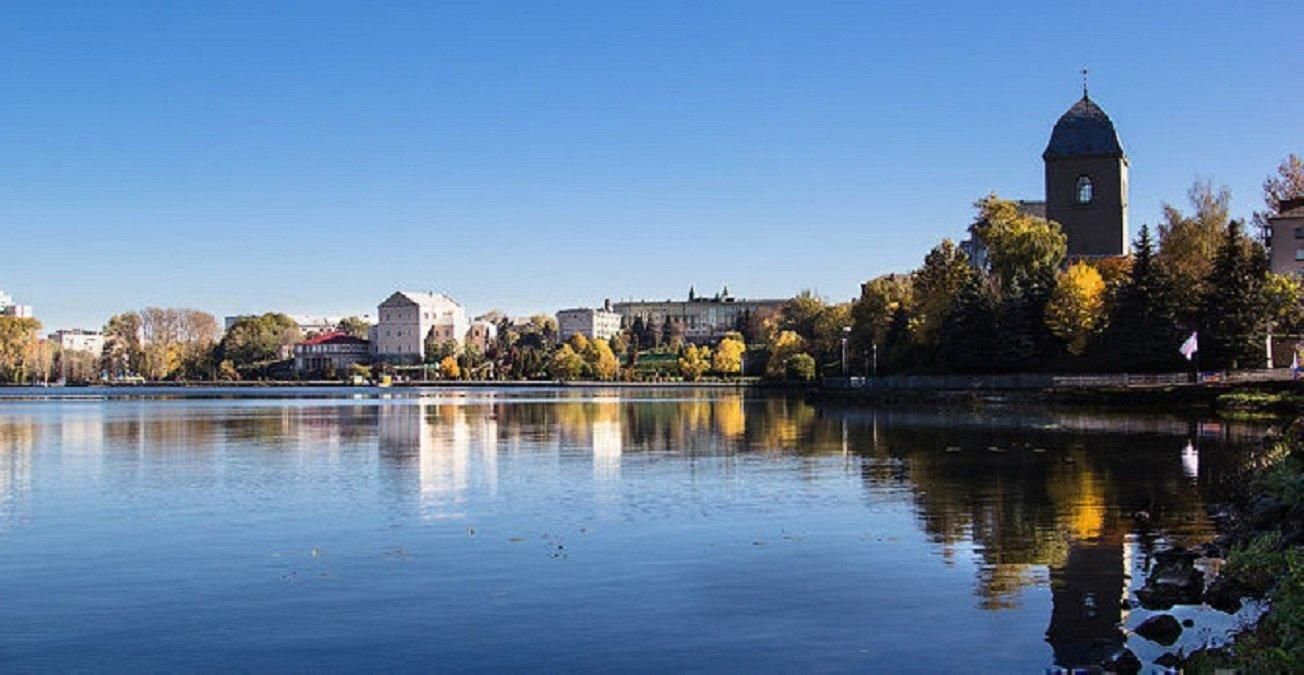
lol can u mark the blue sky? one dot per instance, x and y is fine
(312, 157)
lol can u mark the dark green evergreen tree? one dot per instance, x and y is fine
(1233, 311)
(969, 338)
(1025, 342)
(898, 347)
(1143, 333)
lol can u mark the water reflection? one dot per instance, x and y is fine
(1027, 500)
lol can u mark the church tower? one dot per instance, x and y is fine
(1086, 181)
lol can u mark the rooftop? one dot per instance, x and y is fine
(1084, 131)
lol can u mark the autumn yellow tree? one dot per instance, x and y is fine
(448, 368)
(17, 341)
(565, 364)
(1077, 306)
(602, 360)
(785, 345)
(728, 359)
(694, 361)
(945, 270)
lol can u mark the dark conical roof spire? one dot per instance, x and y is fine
(1085, 130)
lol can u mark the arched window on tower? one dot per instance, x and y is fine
(1084, 190)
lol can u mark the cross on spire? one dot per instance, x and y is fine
(1084, 82)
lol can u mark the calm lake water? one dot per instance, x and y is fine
(583, 530)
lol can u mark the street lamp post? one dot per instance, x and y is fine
(846, 331)
(875, 359)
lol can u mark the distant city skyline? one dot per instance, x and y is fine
(313, 158)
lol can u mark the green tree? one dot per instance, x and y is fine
(18, 341)
(785, 345)
(969, 337)
(1076, 310)
(871, 316)
(1142, 332)
(355, 326)
(254, 342)
(1189, 244)
(946, 269)
(1283, 302)
(829, 331)
(694, 361)
(1234, 313)
(1021, 248)
(801, 313)
(799, 367)
(122, 353)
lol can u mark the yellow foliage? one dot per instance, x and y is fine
(694, 362)
(448, 368)
(728, 358)
(1077, 307)
(785, 345)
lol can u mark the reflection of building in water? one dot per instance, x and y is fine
(1049, 502)
(438, 440)
(606, 450)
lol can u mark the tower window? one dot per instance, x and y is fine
(1084, 190)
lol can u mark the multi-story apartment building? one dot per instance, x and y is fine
(407, 318)
(595, 324)
(1288, 237)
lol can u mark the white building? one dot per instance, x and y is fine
(77, 340)
(8, 308)
(595, 324)
(407, 318)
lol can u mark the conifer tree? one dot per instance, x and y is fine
(1233, 311)
(969, 336)
(1143, 333)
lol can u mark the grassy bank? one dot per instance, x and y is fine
(1266, 560)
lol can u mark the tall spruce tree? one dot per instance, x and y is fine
(1026, 343)
(1143, 332)
(968, 336)
(1233, 311)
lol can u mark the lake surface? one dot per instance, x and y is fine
(589, 530)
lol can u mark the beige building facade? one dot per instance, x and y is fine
(595, 324)
(406, 318)
(1288, 238)
(703, 319)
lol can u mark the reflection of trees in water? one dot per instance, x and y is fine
(18, 436)
(1038, 501)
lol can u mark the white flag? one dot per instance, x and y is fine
(1294, 363)
(1190, 347)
